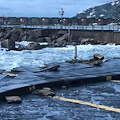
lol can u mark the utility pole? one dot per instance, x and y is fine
(61, 13)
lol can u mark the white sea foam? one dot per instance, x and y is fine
(34, 58)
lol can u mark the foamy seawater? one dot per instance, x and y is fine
(35, 58)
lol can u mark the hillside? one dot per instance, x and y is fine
(109, 10)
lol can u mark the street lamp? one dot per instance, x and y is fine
(61, 13)
(21, 21)
(43, 21)
(82, 21)
(99, 21)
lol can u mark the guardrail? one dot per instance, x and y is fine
(75, 27)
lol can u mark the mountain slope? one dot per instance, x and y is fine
(109, 10)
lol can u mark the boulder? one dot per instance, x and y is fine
(62, 41)
(48, 40)
(1, 35)
(61, 32)
(4, 43)
(37, 32)
(31, 38)
(25, 37)
(40, 39)
(88, 41)
(74, 38)
(34, 46)
(17, 30)
(73, 43)
(10, 44)
(8, 35)
(14, 37)
(21, 47)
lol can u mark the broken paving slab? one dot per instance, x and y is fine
(13, 99)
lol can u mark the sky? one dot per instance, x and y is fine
(46, 8)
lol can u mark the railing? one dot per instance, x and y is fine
(75, 27)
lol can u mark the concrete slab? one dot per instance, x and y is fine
(67, 74)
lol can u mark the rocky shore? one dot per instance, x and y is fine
(61, 38)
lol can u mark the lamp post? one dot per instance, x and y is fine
(99, 21)
(21, 21)
(82, 21)
(64, 22)
(43, 21)
(61, 13)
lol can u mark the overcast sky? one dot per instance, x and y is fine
(46, 8)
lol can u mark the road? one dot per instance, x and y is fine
(76, 103)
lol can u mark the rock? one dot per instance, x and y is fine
(62, 41)
(25, 37)
(74, 38)
(17, 30)
(10, 44)
(45, 92)
(73, 43)
(37, 32)
(61, 33)
(13, 99)
(88, 41)
(1, 35)
(4, 43)
(21, 47)
(8, 35)
(34, 46)
(14, 37)
(48, 40)
(40, 40)
(31, 38)
(98, 56)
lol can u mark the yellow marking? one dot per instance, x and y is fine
(88, 103)
(32, 88)
(109, 78)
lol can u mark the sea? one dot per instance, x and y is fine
(36, 58)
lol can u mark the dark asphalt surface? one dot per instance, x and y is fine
(66, 73)
(35, 107)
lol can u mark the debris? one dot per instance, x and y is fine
(49, 68)
(13, 99)
(45, 66)
(96, 60)
(45, 92)
(10, 73)
(64, 87)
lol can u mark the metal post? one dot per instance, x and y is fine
(75, 56)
